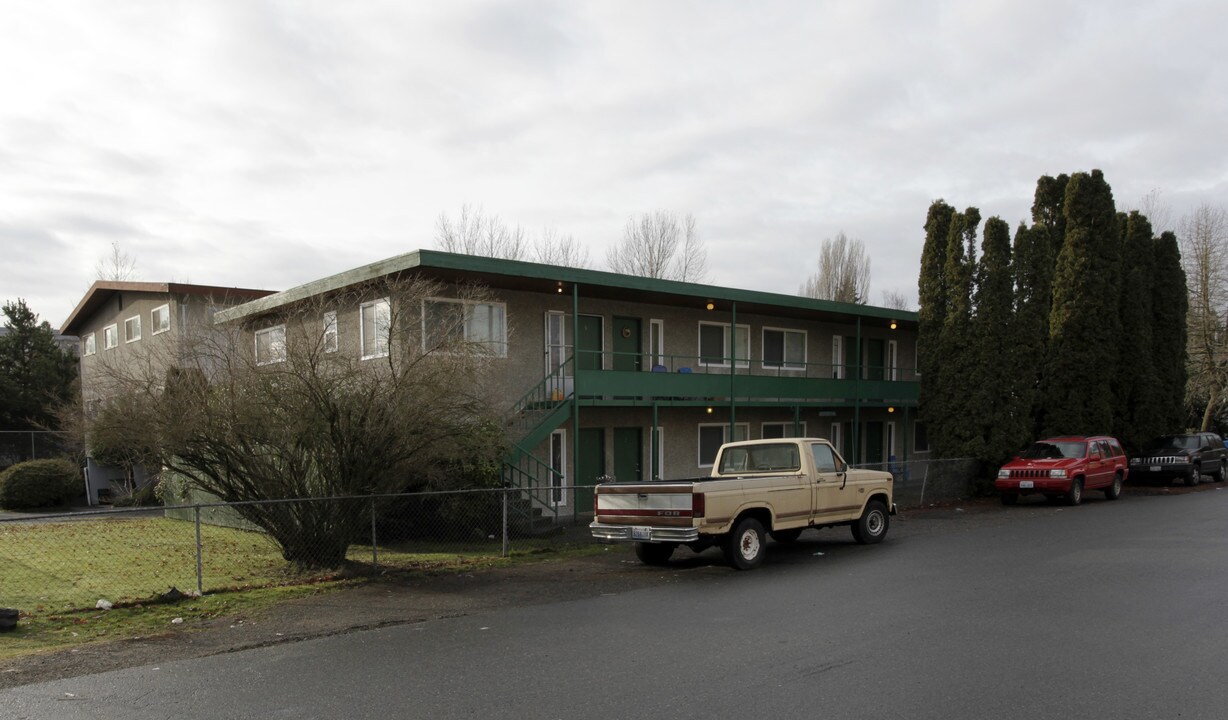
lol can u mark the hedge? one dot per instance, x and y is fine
(39, 483)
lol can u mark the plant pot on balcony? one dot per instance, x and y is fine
(8, 619)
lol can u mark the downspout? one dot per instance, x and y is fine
(575, 394)
(733, 366)
(857, 395)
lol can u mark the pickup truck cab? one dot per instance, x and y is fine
(757, 488)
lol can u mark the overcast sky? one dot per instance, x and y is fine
(265, 144)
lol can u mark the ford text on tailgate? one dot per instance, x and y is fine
(757, 489)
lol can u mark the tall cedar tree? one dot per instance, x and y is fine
(1169, 306)
(1047, 209)
(1082, 337)
(1136, 392)
(1033, 266)
(931, 315)
(993, 385)
(955, 436)
(36, 376)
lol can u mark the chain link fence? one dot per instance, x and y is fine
(57, 563)
(21, 445)
(70, 561)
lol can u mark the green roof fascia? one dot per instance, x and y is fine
(571, 276)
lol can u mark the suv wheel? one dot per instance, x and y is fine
(1219, 472)
(1192, 478)
(1075, 495)
(1112, 492)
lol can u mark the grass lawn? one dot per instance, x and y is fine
(55, 573)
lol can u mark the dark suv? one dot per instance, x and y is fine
(1186, 457)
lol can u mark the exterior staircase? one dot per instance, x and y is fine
(533, 512)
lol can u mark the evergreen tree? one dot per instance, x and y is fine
(994, 380)
(35, 374)
(1033, 266)
(1082, 342)
(1047, 209)
(1136, 391)
(931, 315)
(1169, 306)
(956, 436)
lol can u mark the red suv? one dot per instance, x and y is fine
(1065, 467)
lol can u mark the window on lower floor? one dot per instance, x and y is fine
(711, 437)
(920, 442)
(773, 430)
(271, 345)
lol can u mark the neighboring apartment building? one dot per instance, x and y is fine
(609, 374)
(120, 322)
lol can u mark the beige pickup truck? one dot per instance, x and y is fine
(757, 488)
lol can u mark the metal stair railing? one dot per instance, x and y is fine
(530, 421)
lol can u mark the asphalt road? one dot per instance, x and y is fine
(1107, 610)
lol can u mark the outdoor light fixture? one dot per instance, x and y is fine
(709, 411)
(560, 286)
(711, 306)
(892, 322)
(890, 409)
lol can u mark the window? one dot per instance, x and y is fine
(824, 458)
(784, 348)
(761, 458)
(330, 331)
(447, 323)
(837, 357)
(132, 329)
(656, 344)
(160, 318)
(714, 345)
(773, 430)
(271, 345)
(889, 444)
(893, 360)
(88, 345)
(374, 327)
(711, 437)
(110, 337)
(837, 435)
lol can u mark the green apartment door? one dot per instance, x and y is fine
(590, 465)
(589, 343)
(874, 442)
(875, 359)
(628, 454)
(626, 346)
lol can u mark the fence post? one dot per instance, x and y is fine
(374, 550)
(505, 492)
(200, 585)
(924, 477)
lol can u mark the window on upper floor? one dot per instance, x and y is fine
(785, 349)
(447, 323)
(714, 345)
(271, 345)
(132, 329)
(110, 337)
(89, 345)
(374, 328)
(330, 331)
(160, 319)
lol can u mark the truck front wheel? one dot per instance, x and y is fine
(872, 526)
(744, 546)
(654, 553)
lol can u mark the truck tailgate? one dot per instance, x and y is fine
(664, 512)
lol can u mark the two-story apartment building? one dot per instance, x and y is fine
(127, 324)
(605, 374)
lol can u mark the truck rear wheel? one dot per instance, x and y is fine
(654, 553)
(872, 526)
(745, 545)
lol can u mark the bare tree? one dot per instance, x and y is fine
(1158, 212)
(561, 250)
(118, 265)
(659, 244)
(896, 300)
(475, 233)
(1204, 252)
(843, 274)
(293, 415)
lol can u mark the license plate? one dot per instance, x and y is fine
(641, 533)
(1155, 468)
(1025, 484)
